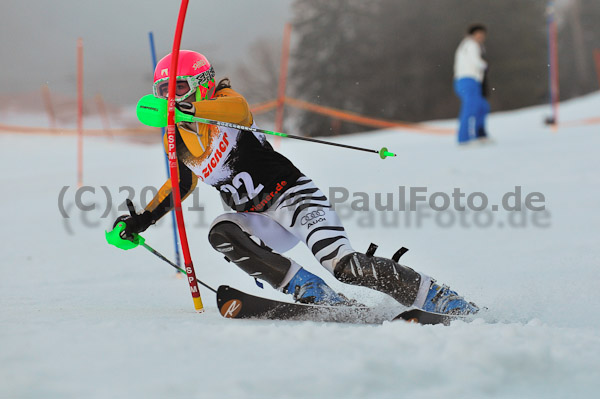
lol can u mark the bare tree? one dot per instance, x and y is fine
(259, 72)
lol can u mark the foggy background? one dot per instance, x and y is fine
(393, 59)
(39, 37)
(384, 59)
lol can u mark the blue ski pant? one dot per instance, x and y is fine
(474, 108)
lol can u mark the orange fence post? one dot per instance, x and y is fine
(285, 51)
(103, 113)
(80, 112)
(553, 77)
(597, 59)
(48, 105)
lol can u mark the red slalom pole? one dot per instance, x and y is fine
(173, 168)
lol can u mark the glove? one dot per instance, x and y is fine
(186, 108)
(117, 238)
(135, 223)
(125, 230)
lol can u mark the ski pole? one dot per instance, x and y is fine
(138, 239)
(119, 239)
(152, 111)
(160, 256)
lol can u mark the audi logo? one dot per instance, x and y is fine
(310, 216)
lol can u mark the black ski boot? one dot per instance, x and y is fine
(400, 282)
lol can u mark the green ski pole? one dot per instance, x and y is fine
(116, 237)
(120, 239)
(160, 256)
(152, 111)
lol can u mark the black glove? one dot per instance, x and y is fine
(186, 108)
(135, 223)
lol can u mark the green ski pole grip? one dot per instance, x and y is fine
(384, 153)
(152, 111)
(114, 237)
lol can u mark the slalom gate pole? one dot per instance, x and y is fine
(173, 165)
(179, 269)
(173, 221)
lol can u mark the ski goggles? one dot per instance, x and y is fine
(186, 85)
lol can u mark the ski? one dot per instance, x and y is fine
(235, 304)
(428, 318)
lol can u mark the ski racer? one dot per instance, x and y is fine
(273, 202)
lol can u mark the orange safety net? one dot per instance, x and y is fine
(256, 109)
(263, 107)
(364, 120)
(583, 122)
(86, 132)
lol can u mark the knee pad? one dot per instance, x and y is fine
(257, 260)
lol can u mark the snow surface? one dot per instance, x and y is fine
(80, 318)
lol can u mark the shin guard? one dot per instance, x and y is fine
(257, 260)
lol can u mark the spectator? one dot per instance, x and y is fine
(469, 73)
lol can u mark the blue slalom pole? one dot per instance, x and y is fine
(175, 240)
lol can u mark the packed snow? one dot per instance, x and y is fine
(81, 318)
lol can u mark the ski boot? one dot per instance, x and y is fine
(441, 299)
(309, 288)
(400, 282)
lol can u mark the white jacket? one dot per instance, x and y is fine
(467, 60)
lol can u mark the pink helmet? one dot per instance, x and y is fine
(193, 72)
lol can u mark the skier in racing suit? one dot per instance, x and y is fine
(276, 206)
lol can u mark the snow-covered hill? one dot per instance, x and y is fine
(80, 318)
